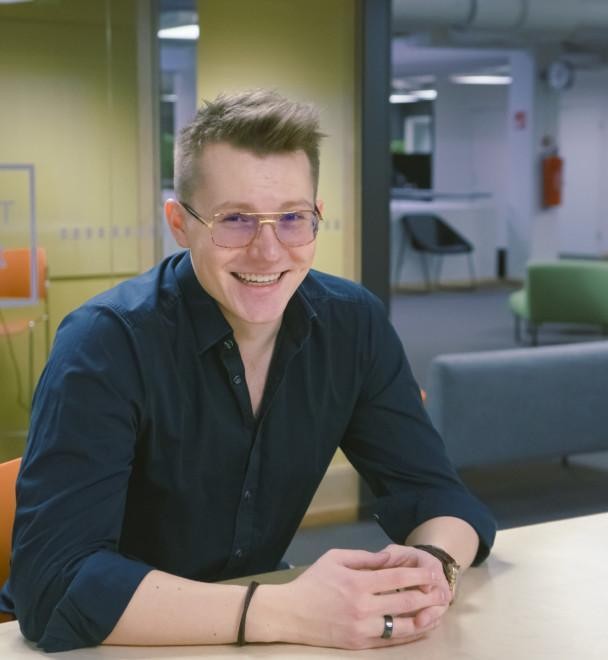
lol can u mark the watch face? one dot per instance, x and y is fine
(560, 75)
(451, 575)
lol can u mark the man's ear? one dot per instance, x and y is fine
(320, 206)
(176, 221)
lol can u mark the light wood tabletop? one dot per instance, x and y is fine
(542, 595)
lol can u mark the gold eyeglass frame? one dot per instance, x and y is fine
(262, 218)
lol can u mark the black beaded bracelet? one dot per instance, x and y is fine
(240, 640)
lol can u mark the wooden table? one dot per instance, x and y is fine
(542, 595)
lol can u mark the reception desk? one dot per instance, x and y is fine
(542, 595)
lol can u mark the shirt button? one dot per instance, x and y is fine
(228, 344)
(237, 380)
(238, 553)
(247, 495)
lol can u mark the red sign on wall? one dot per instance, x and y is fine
(520, 119)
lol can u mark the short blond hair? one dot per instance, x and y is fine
(259, 120)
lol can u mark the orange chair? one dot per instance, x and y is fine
(15, 283)
(8, 477)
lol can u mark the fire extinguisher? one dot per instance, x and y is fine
(552, 180)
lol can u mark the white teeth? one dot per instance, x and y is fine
(258, 279)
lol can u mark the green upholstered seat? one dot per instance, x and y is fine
(564, 291)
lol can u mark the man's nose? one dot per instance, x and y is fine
(266, 244)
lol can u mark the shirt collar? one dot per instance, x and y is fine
(209, 323)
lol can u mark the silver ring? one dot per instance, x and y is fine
(388, 627)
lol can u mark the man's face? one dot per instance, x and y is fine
(234, 179)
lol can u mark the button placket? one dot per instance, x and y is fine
(242, 542)
(235, 371)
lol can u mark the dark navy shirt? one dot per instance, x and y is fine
(144, 451)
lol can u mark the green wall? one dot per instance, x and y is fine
(69, 81)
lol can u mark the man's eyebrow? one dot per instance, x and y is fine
(247, 207)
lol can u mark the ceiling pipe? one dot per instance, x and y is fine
(495, 15)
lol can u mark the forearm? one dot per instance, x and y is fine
(339, 601)
(170, 610)
(453, 535)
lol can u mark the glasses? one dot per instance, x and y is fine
(239, 229)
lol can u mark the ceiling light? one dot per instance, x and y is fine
(403, 98)
(484, 79)
(188, 32)
(425, 94)
(13, 2)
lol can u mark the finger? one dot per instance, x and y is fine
(389, 579)
(359, 559)
(426, 617)
(407, 602)
(396, 640)
(402, 555)
(405, 628)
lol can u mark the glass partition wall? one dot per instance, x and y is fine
(177, 47)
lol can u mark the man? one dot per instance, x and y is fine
(186, 418)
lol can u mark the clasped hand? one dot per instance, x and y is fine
(341, 600)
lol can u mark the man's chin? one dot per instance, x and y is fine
(263, 317)
(255, 314)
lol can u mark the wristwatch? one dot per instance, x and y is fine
(450, 567)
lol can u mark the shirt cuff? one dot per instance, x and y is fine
(94, 601)
(401, 513)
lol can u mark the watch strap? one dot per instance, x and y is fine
(450, 567)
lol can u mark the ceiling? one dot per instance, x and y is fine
(427, 37)
(412, 60)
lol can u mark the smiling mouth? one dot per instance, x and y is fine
(258, 279)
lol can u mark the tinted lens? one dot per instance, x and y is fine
(297, 227)
(234, 229)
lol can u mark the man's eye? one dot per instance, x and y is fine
(291, 216)
(237, 218)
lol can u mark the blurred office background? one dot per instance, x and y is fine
(430, 106)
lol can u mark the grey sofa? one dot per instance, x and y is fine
(524, 403)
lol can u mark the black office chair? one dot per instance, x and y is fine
(430, 234)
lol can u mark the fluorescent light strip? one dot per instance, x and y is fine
(414, 96)
(185, 32)
(481, 80)
(426, 94)
(403, 98)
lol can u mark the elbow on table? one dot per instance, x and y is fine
(34, 601)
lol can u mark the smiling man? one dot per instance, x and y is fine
(186, 417)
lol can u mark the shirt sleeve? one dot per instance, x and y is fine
(394, 446)
(68, 581)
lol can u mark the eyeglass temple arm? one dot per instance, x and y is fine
(195, 215)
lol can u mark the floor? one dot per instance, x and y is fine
(520, 494)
